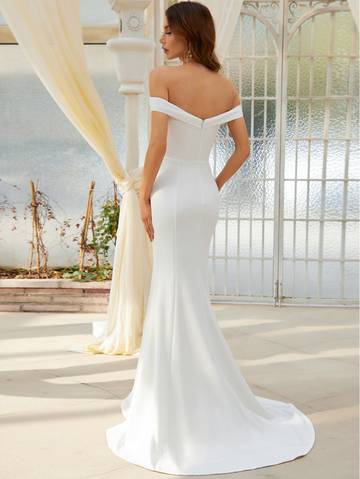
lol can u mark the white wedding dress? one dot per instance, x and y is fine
(190, 410)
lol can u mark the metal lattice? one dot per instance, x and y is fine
(288, 223)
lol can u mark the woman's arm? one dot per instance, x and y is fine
(156, 148)
(239, 133)
(158, 133)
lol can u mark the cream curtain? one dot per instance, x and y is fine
(49, 34)
(354, 7)
(225, 14)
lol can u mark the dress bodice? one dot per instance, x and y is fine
(190, 137)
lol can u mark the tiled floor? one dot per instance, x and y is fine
(55, 401)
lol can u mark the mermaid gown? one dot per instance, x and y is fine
(190, 410)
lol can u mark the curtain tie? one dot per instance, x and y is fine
(132, 181)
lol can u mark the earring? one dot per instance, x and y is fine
(189, 55)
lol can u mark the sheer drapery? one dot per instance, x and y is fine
(225, 14)
(49, 34)
(354, 7)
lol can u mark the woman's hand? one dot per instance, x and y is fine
(146, 217)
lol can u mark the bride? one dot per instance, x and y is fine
(190, 410)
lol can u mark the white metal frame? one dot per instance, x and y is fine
(282, 35)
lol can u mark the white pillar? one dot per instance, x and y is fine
(132, 54)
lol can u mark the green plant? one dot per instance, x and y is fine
(106, 227)
(102, 273)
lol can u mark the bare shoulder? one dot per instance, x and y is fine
(160, 70)
(230, 87)
(159, 81)
(160, 73)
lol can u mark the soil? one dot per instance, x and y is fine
(52, 273)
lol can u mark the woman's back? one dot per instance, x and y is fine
(199, 91)
(190, 129)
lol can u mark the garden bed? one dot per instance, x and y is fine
(53, 294)
(103, 273)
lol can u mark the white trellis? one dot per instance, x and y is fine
(287, 230)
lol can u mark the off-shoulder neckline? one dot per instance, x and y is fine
(202, 120)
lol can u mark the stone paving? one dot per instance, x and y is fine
(56, 401)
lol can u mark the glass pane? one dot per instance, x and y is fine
(248, 198)
(320, 146)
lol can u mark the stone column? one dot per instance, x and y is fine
(132, 54)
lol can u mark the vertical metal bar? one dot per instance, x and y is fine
(226, 232)
(266, 53)
(325, 153)
(309, 145)
(253, 38)
(281, 103)
(296, 137)
(351, 94)
(226, 226)
(241, 21)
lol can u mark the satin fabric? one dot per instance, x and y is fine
(190, 410)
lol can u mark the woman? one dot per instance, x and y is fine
(190, 410)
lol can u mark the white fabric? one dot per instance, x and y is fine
(225, 14)
(354, 8)
(190, 410)
(49, 34)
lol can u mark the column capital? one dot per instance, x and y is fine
(131, 15)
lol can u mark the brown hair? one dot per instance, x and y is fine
(194, 22)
